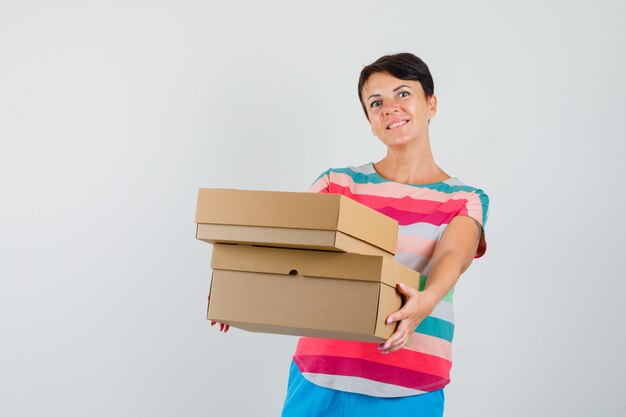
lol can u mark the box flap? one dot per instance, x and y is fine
(380, 229)
(394, 272)
(389, 301)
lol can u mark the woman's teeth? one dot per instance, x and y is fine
(396, 124)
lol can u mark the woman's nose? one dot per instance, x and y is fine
(390, 108)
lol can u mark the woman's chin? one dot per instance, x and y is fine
(400, 142)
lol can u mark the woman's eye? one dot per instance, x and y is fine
(375, 103)
(404, 94)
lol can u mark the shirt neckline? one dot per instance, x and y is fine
(377, 175)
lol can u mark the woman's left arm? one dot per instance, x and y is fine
(452, 256)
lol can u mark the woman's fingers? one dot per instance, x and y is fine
(407, 318)
(399, 344)
(397, 340)
(397, 316)
(223, 327)
(407, 291)
(392, 345)
(409, 294)
(407, 311)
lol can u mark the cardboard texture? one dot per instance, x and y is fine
(328, 222)
(306, 293)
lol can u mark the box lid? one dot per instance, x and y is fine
(312, 263)
(297, 210)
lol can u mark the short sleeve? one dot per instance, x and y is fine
(321, 184)
(477, 207)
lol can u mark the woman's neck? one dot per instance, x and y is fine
(411, 166)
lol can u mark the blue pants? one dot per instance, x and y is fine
(305, 399)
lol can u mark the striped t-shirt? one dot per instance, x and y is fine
(423, 212)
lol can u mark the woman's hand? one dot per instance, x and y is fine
(453, 255)
(417, 306)
(223, 327)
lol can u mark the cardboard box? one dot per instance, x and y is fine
(306, 293)
(329, 222)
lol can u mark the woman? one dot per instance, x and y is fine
(405, 374)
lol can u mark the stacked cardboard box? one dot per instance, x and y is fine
(301, 263)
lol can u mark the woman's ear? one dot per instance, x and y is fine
(432, 106)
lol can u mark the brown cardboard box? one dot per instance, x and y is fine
(329, 222)
(306, 293)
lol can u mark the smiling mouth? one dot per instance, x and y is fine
(397, 124)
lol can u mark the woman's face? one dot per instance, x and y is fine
(398, 110)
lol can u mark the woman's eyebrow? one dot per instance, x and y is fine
(394, 90)
(400, 86)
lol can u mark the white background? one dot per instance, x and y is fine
(113, 114)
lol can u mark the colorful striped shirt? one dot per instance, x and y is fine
(423, 212)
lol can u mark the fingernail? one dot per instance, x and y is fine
(386, 346)
(389, 320)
